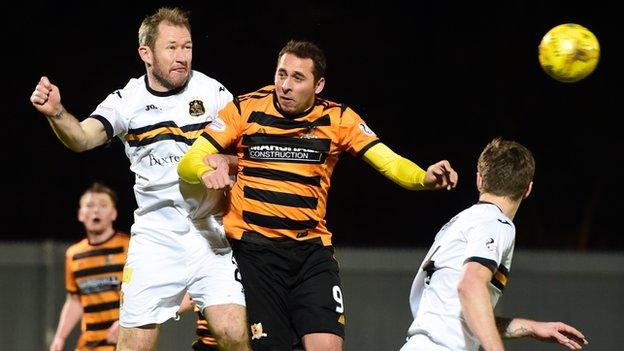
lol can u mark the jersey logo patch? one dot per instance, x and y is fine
(196, 108)
(283, 154)
(366, 130)
(256, 331)
(490, 244)
(217, 125)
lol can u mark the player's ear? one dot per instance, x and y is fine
(528, 190)
(319, 86)
(146, 54)
(479, 182)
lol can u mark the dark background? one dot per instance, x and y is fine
(434, 80)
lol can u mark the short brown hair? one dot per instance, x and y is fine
(148, 32)
(506, 168)
(99, 188)
(304, 50)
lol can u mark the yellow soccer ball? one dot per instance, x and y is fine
(569, 52)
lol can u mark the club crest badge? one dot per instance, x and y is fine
(196, 108)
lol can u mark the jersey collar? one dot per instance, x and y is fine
(165, 93)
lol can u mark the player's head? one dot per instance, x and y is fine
(299, 76)
(98, 208)
(166, 47)
(506, 168)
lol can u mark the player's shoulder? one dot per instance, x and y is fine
(77, 248)
(122, 236)
(485, 215)
(259, 94)
(130, 91)
(337, 110)
(202, 79)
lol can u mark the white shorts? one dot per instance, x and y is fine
(421, 342)
(162, 265)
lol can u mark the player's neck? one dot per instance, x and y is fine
(100, 237)
(507, 205)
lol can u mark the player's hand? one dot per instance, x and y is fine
(557, 332)
(219, 177)
(441, 175)
(46, 98)
(58, 344)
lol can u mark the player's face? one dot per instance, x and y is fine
(294, 83)
(97, 212)
(172, 56)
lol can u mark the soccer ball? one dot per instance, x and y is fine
(569, 52)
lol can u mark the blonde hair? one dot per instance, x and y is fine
(148, 32)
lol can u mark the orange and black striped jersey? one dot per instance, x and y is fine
(205, 341)
(285, 163)
(94, 273)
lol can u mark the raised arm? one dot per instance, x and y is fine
(202, 164)
(77, 136)
(407, 174)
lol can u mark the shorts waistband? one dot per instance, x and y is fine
(257, 238)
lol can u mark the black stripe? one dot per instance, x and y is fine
(198, 345)
(368, 146)
(164, 124)
(98, 270)
(316, 144)
(204, 333)
(194, 127)
(99, 343)
(267, 120)
(161, 137)
(168, 124)
(278, 222)
(98, 252)
(102, 307)
(279, 198)
(503, 270)
(107, 126)
(213, 141)
(99, 326)
(491, 264)
(281, 175)
(497, 284)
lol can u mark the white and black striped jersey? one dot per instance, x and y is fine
(157, 129)
(481, 233)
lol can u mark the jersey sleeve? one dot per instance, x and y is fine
(224, 96)
(225, 129)
(488, 242)
(355, 136)
(70, 282)
(110, 113)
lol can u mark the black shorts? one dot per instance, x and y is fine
(291, 289)
(200, 346)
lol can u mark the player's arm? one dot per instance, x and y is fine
(77, 136)
(194, 169)
(555, 332)
(408, 174)
(70, 316)
(476, 306)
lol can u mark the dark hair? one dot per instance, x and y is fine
(100, 188)
(506, 167)
(148, 32)
(305, 50)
